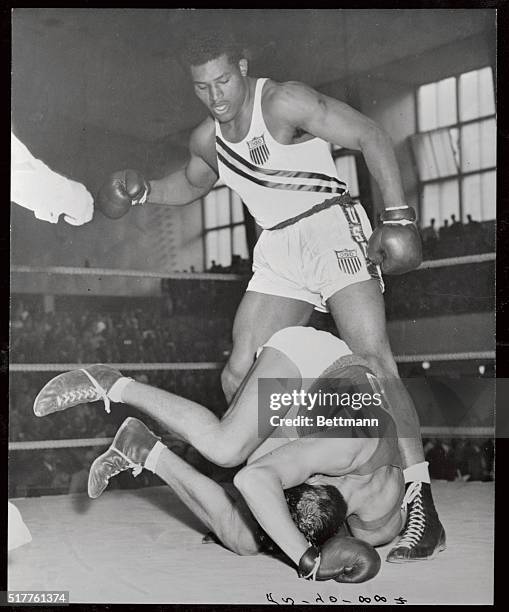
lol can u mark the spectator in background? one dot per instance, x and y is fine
(475, 237)
(456, 236)
(470, 464)
(443, 232)
(429, 238)
(441, 463)
(443, 236)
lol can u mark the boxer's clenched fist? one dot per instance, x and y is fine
(395, 245)
(344, 559)
(120, 191)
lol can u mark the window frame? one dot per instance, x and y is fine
(233, 224)
(461, 174)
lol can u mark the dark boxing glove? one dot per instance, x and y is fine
(395, 245)
(121, 191)
(344, 559)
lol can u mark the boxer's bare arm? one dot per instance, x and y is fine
(301, 107)
(198, 176)
(262, 482)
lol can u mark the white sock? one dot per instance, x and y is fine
(153, 457)
(115, 393)
(418, 472)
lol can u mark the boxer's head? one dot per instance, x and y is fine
(218, 72)
(319, 511)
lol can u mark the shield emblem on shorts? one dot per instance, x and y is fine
(258, 150)
(348, 261)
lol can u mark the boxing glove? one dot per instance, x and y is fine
(395, 245)
(344, 559)
(122, 190)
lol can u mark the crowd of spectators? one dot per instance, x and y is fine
(455, 238)
(447, 290)
(237, 266)
(130, 335)
(460, 459)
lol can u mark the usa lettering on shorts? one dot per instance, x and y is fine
(348, 261)
(357, 234)
(258, 150)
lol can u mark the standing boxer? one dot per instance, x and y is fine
(270, 143)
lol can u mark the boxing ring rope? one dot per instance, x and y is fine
(212, 365)
(115, 272)
(138, 367)
(428, 264)
(427, 432)
(69, 443)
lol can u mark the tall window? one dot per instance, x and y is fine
(455, 147)
(224, 227)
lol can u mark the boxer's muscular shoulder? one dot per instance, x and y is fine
(202, 142)
(291, 99)
(286, 105)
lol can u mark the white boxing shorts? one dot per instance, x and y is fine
(313, 258)
(311, 350)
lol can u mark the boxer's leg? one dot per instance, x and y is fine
(359, 313)
(135, 447)
(226, 442)
(229, 519)
(259, 316)
(229, 441)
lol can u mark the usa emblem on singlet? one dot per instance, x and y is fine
(258, 150)
(349, 261)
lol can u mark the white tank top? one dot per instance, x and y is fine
(276, 182)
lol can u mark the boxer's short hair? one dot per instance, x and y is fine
(319, 511)
(207, 45)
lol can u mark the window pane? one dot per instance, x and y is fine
(426, 102)
(210, 209)
(440, 201)
(476, 94)
(240, 242)
(224, 247)
(437, 104)
(446, 102)
(211, 249)
(237, 210)
(436, 153)
(347, 171)
(479, 196)
(478, 145)
(223, 206)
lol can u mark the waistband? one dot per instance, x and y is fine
(342, 200)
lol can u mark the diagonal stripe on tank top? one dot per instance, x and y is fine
(273, 185)
(282, 173)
